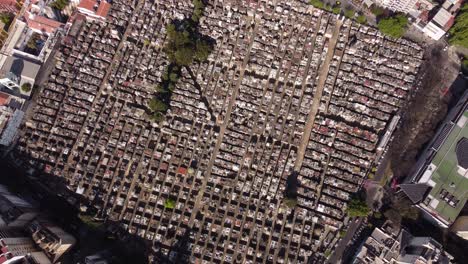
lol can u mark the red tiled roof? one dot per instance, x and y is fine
(42, 23)
(8, 6)
(449, 23)
(4, 98)
(103, 9)
(87, 4)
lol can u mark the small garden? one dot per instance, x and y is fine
(6, 19)
(391, 24)
(59, 4)
(35, 44)
(337, 8)
(26, 87)
(459, 31)
(184, 46)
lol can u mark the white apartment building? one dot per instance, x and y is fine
(404, 6)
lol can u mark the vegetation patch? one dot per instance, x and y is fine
(317, 3)
(394, 27)
(26, 87)
(357, 207)
(349, 13)
(34, 44)
(184, 46)
(90, 223)
(6, 19)
(459, 31)
(342, 233)
(464, 65)
(401, 209)
(169, 203)
(336, 9)
(59, 4)
(377, 10)
(361, 19)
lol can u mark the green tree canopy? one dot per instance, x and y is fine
(377, 10)
(459, 31)
(26, 87)
(290, 202)
(393, 26)
(357, 207)
(317, 3)
(361, 19)
(185, 45)
(336, 9)
(59, 4)
(349, 13)
(6, 18)
(169, 203)
(156, 105)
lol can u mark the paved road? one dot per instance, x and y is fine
(338, 253)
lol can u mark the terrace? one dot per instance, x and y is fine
(449, 180)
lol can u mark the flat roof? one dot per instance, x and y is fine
(21, 67)
(442, 17)
(449, 180)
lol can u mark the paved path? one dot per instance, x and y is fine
(105, 80)
(198, 202)
(317, 96)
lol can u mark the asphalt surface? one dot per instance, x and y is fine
(342, 245)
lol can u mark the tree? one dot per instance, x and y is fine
(349, 13)
(203, 50)
(59, 4)
(357, 207)
(465, 65)
(290, 202)
(169, 203)
(317, 3)
(90, 223)
(377, 10)
(361, 19)
(342, 233)
(26, 87)
(184, 55)
(157, 105)
(186, 45)
(174, 77)
(393, 26)
(157, 117)
(459, 31)
(33, 42)
(6, 18)
(336, 9)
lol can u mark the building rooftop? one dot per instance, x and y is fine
(21, 67)
(41, 23)
(98, 8)
(447, 173)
